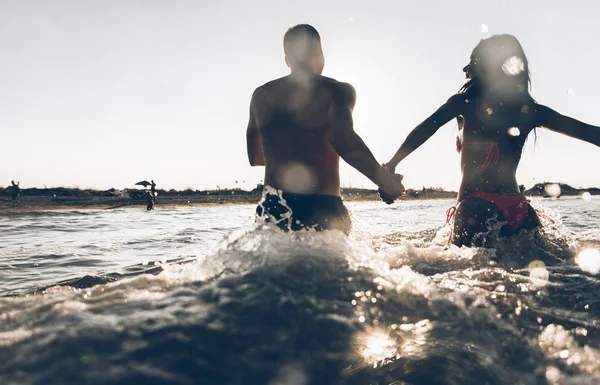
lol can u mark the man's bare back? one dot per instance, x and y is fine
(293, 119)
(299, 127)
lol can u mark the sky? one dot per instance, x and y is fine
(100, 94)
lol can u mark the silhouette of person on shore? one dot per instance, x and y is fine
(153, 189)
(150, 201)
(299, 127)
(495, 114)
(15, 192)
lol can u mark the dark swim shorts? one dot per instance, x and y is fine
(305, 211)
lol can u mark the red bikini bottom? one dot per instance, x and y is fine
(514, 207)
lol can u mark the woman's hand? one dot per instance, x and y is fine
(390, 185)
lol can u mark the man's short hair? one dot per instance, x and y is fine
(300, 34)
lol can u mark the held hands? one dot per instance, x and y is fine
(390, 184)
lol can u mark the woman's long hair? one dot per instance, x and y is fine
(498, 64)
(499, 77)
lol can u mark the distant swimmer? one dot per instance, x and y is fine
(15, 192)
(299, 127)
(495, 114)
(150, 201)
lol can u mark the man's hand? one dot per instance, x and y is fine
(390, 185)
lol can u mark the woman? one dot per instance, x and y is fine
(495, 114)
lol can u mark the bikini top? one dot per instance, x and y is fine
(492, 151)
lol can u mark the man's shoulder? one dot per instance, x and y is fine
(337, 85)
(271, 84)
(340, 91)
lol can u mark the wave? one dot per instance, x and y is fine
(316, 308)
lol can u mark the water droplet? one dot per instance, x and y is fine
(538, 274)
(586, 196)
(297, 178)
(553, 189)
(589, 260)
(513, 66)
(514, 131)
(552, 374)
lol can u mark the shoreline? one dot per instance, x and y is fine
(51, 203)
(62, 199)
(79, 206)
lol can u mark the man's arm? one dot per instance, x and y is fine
(427, 128)
(548, 118)
(253, 142)
(351, 147)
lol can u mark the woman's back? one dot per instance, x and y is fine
(492, 134)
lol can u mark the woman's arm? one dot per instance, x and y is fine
(427, 128)
(548, 118)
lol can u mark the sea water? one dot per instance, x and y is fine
(204, 295)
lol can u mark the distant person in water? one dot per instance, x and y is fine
(15, 192)
(299, 127)
(150, 200)
(153, 190)
(495, 115)
(153, 187)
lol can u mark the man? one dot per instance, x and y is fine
(299, 127)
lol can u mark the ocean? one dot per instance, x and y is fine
(205, 295)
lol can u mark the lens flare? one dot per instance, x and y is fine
(538, 274)
(513, 66)
(552, 374)
(589, 260)
(377, 347)
(514, 131)
(297, 178)
(553, 190)
(586, 196)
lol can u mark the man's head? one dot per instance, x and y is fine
(303, 52)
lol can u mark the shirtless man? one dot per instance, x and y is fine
(299, 127)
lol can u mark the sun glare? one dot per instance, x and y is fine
(377, 347)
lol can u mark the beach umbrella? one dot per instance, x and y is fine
(144, 183)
